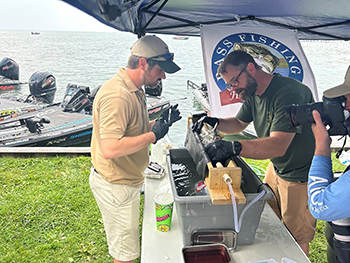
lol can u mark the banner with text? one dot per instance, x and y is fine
(274, 50)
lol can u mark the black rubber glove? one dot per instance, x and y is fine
(174, 114)
(219, 150)
(205, 119)
(171, 115)
(160, 128)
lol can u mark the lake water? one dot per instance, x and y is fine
(91, 58)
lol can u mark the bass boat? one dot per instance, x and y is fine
(36, 121)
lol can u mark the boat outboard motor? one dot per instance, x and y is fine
(42, 86)
(91, 97)
(9, 69)
(156, 91)
(93, 93)
(76, 98)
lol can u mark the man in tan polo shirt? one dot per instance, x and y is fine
(120, 142)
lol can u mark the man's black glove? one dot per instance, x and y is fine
(219, 150)
(160, 128)
(205, 119)
(171, 115)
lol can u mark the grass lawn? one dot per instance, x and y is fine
(48, 213)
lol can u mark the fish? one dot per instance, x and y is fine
(267, 61)
(209, 134)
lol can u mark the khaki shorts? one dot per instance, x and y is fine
(119, 205)
(293, 200)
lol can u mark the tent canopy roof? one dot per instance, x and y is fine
(311, 19)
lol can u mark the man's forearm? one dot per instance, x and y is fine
(322, 148)
(263, 148)
(113, 148)
(231, 125)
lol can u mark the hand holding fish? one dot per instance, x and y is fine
(212, 121)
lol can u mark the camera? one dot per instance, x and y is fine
(330, 109)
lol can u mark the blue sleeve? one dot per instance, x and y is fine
(328, 200)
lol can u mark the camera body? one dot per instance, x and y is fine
(330, 109)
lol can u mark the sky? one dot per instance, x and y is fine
(51, 15)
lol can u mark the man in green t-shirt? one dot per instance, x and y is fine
(290, 149)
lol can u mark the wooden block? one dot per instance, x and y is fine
(216, 175)
(218, 188)
(223, 196)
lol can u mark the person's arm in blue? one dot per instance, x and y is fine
(328, 200)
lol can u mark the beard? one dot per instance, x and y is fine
(249, 89)
(147, 81)
(150, 84)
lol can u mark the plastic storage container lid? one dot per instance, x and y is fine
(226, 237)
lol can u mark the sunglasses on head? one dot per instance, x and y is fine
(167, 56)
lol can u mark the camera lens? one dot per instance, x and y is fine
(301, 115)
(331, 111)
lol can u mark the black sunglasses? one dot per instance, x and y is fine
(167, 56)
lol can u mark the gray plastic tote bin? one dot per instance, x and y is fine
(198, 213)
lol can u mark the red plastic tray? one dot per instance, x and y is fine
(206, 254)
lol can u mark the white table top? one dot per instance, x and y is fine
(272, 240)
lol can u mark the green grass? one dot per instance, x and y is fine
(48, 213)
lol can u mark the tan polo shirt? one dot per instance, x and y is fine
(120, 110)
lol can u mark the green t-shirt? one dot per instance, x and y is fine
(268, 114)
